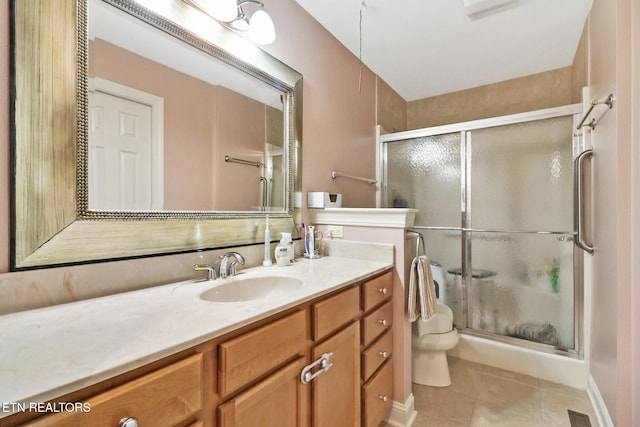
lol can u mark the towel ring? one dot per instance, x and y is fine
(419, 243)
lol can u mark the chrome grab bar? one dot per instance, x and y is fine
(578, 207)
(369, 181)
(264, 183)
(243, 161)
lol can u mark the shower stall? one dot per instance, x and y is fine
(495, 201)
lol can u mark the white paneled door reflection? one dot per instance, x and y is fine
(119, 153)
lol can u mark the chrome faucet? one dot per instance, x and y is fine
(211, 272)
(229, 262)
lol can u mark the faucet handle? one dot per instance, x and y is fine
(211, 272)
(232, 267)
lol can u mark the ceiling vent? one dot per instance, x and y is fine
(477, 9)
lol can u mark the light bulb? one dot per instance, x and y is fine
(261, 29)
(222, 10)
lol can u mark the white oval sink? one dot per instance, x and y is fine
(251, 288)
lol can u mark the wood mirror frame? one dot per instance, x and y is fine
(51, 222)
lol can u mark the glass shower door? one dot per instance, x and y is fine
(520, 213)
(424, 173)
(495, 209)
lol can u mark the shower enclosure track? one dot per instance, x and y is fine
(484, 230)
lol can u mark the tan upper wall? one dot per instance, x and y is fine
(535, 92)
(392, 108)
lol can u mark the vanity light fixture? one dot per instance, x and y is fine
(258, 25)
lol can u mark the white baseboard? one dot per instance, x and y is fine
(604, 420)
(402, 414)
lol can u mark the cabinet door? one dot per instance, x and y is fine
(336, 392)
(278, 401)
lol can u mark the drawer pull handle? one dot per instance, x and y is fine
(384, 398)
(128, 422)
(383, 322)
(306, 375)
(383, 354)
(383, 291)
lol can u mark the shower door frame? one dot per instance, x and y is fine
(464, 129)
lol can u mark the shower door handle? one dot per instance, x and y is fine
(578, 202)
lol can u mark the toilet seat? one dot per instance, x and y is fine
(442, 322)
(437, 342)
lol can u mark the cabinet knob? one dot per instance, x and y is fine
(383, 354)
(383, 322)
(384, 398)
(383, 291)
(128, 422)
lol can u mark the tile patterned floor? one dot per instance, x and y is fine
(482, 396)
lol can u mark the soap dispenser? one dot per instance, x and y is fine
(284, 250)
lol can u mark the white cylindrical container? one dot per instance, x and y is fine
(283, 250)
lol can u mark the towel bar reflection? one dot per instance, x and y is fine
(242, 161)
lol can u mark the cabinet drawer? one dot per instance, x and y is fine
(249, 356)
(165, 397)
(334, 312)
(377, 290)
(377, 396)
(376, 355)
(376, 323)
(277, 401)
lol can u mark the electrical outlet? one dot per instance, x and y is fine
(335, 231)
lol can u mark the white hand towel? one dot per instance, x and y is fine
(421, 295)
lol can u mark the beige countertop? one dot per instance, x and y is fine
(52, 351)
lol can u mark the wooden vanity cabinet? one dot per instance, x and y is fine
(255, 376)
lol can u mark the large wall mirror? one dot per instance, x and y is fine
(145, 127)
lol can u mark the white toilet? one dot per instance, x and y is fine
(431, 340)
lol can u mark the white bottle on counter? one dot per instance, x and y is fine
(284, 250)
